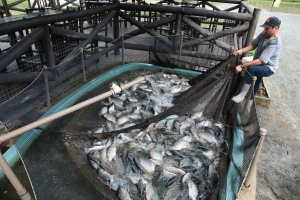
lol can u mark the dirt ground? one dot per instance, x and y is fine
(278, 169)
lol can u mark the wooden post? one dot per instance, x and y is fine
(29, 4)
(6, 8)
(263, 133)
(122, 49)
(178, 24)
(252, 27)
(235, 41)
(46, 40)
(21, 191)
(273, 5)
(82, 64)
(46, 85)
(180, 48)
(116, 28)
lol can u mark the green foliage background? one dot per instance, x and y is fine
(287, 6)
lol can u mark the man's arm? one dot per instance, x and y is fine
(247, 64)
(243, 50)
(253, 62)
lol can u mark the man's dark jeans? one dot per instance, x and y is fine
(259, 71)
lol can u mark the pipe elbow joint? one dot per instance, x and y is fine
(114, 88)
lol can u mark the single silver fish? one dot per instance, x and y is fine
(95, 148)
(122, 120)
(110, 117)
(175, 170)
(111, 109)
(109, 127)
(111, 152)
(103, 110)
(99, 130)
(132, 99)
(156, 155)
(172, 192)
(125, 138)
(123, 96)
(180, 144)
(148, 165)
(146, 114)
(103, 155)
(151, 194)
(104, 175)
(123, 193)
(115, 100)
(135, 116)
(193, 191)
(135, 177)
(207, 134)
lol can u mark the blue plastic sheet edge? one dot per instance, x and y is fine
(23, 143)
(233, 179)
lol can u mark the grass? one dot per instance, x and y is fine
(24, 4)
(251, 53)
(286, 7)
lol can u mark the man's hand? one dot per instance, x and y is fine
(238, 68)
(238, 52)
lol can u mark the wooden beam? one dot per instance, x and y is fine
(232, 8)
(72, 2)
(247, 7)
(18, 49)
(15, 3)
(198, 54)
(28, 77)
(65, 4)
(93, 34)
(220, 34)
(77, 35)
(188, 11)
(12, 8)
(163, 21)
(14, 26)
(142, 27)
(204, 32)
(117, 43)
(195, 54)
(212, 6)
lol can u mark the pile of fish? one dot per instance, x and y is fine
(175, 158)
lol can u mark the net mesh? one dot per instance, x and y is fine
(57, 164)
